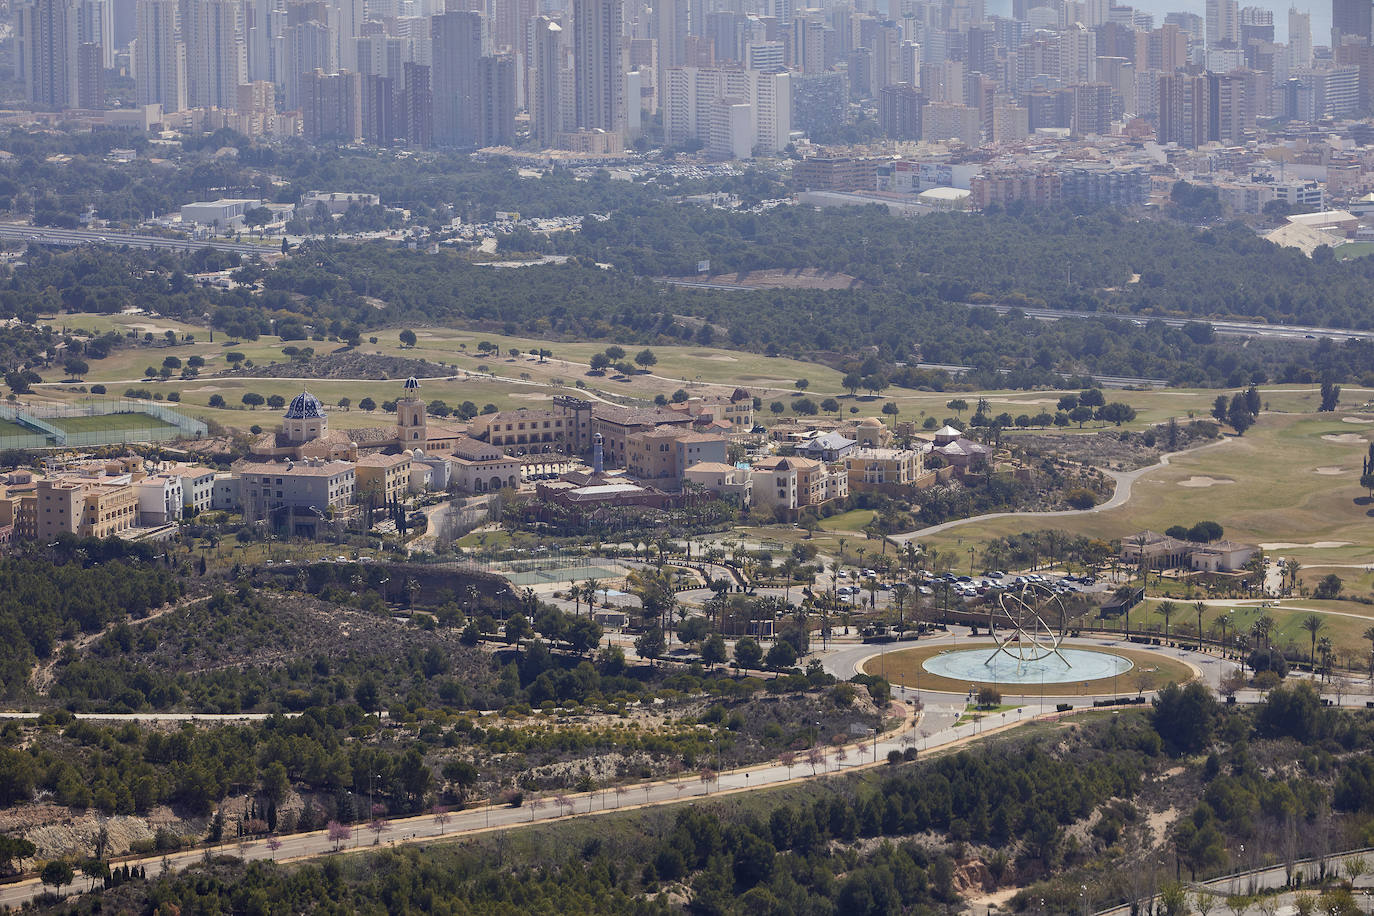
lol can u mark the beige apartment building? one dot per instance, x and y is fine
(878, 467)
(795, 483)
(736, 410)
(88, 507)
(482, 467)
(651, 455)
(305, 490)
(725, 480)
(383, 479)
(662, 455)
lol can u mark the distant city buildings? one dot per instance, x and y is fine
(593, 76)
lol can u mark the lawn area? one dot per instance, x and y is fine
(1353, 250)
(108, 422)
(1343, 622)
(853, 520)
(196, 394)
(1292, 482)
(698, 370)
(14, 429)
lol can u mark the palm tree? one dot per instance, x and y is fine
(1166, 610)
(909, 552)
(900, 592)
(1222, 623)
(789, 569)
(1313, 625)
(1200, 607)
(871, 585)
(1324, 644)
(1264, 625)
(1291, 567)
(589, 590)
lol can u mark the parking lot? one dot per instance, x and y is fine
(851, 589)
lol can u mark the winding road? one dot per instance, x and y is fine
(1125, 481)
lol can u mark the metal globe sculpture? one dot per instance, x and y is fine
(1027, 623)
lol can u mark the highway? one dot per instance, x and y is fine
(1106, 381)
(1226, 327)
(46, 235)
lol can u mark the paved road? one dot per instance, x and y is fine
(1225, 327)
(1125, 480)
(1274, 877)
(43, 235)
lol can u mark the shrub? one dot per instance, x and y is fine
(1081, 498)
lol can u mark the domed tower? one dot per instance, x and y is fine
(411, 420)
(305, 420)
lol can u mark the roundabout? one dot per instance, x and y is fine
(1027, 656)
(1090, 670)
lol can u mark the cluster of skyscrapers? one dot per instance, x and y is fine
(734, 77)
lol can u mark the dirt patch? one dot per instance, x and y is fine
(1344, 438)
(1200, 482)
(1329, 472)
(1159, 822)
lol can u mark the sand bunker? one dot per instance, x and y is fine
(1344, 438)
(716, 357)
(1033, 402)
(1329, 472)
(1316, 545)
(1204, 481)
(529, 396)
(204, 389)
(1356, 420)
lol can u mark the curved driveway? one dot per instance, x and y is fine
(1125, 480)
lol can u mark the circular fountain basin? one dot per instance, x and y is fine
(988, 665)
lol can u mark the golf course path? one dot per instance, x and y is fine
(1125, 481)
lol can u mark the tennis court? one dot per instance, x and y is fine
(563, 574)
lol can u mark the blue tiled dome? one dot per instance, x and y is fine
(305, 406)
